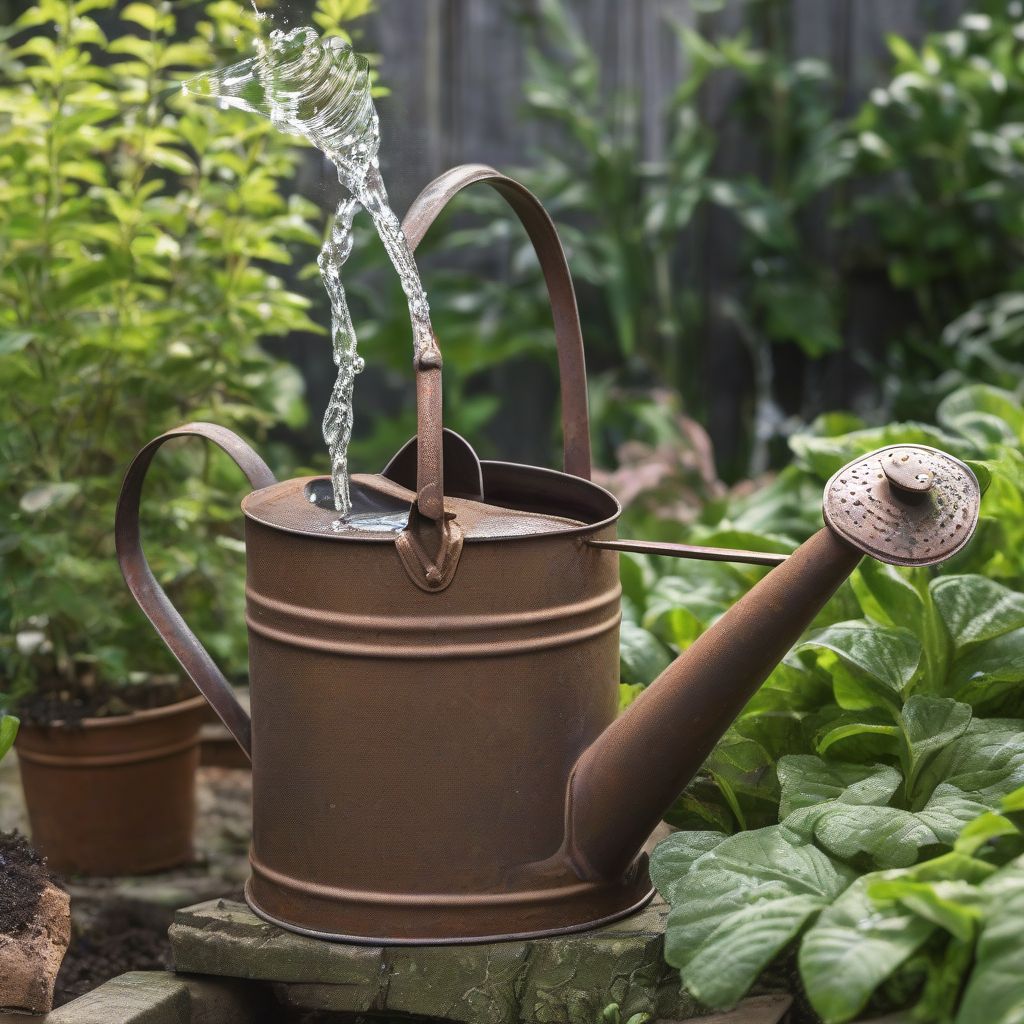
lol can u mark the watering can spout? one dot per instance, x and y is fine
(902, 505)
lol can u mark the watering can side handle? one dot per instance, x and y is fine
(541, 230)
(156, 605)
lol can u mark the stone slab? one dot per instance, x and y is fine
(567, 979)
(159, 997)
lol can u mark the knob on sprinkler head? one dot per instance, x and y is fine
(905, 470)
(905, 504)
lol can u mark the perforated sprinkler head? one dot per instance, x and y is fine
(904, 504)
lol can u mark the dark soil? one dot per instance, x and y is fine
(23, 876)
(124, 936)
(67, 703)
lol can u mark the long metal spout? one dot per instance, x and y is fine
(630, 776)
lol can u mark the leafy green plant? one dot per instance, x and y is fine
(941, 145)
(886, 635)
(865, 757)
(144, 239)
(8, 732)
(946, 930)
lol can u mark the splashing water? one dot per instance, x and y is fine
(320, 90)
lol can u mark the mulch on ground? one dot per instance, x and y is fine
(123, 936)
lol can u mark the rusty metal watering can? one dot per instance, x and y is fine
(435, 748)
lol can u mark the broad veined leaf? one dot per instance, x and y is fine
(739, 903)
(989, 666)
(975, 608)
(983, 413)
(889, 656)
(643, 656)
(929, 724)
(854, 946)
(673, 857)
(826, 455)
(705, 597)
(844, 808)
(887, 595)
(995, 992)
(892, 837)
(971, 775)
(807, 780)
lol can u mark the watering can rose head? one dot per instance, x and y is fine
(436, 748)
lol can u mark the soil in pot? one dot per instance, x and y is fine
(56, 700)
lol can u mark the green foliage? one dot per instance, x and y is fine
(144, 243)
(8, 731)
(867, 773)
(943, 140)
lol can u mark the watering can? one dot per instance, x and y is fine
(435, 745)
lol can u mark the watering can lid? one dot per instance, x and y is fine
(489, 500)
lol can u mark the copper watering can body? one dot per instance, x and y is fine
(436, 754)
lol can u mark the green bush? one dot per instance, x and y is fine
(144, 243)
(942, 147)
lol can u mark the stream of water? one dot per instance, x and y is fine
(320, 90)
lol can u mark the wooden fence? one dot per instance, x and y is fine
(455, 69)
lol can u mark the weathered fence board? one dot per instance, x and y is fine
(456, 71)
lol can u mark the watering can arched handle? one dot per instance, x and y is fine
(571, 363)
(166, 619)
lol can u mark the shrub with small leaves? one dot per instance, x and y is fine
(145, 244)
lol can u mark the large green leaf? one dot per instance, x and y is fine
(887, 595)
(989, 667)
(995, 992)
(643, 656)
(890, 836)
(983, 413)
(826, 455)
(807, 781)
(975, 608)
(853, 947)
(740, 900)
(929, 724)
(888, 656)
(971, 775)
(843, 807)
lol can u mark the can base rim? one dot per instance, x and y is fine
(378, 940)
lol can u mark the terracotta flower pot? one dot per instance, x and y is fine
(115, 796)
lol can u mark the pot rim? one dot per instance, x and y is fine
(112, 721)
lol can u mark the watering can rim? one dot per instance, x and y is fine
(602, 517)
